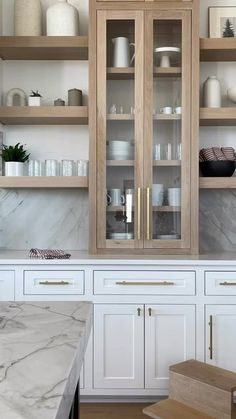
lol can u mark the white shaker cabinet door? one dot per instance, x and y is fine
(118, 346)
(169, 339)
(7, 285)
(221, 336)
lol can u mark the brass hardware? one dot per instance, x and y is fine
(211, 337)
(163, 283)
(228, 284)
(139, 214)
(139, 311)
(148, 213)
(150, 312)
(54, 283)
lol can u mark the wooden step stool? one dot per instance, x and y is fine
(206, 389)
(170, 409)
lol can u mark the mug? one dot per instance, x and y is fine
(174, 197)
(167, 110)
(115, 198)
(121, 57)
(178, 110)
(157, 194)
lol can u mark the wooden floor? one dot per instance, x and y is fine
(112, 411)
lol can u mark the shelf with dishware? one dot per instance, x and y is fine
(44, 47)
(44, 115)
(218, 116)
(43, 182)
(120, 117)
(127, 73)
(166, 163)
(217, 49)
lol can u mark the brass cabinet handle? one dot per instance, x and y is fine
(161, 283)
(150, 312)
(139, 312)
(211, 337)
(54, 283)
(148, 213)
(228, 284)
(139, 214)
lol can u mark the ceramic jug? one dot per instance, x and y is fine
(28, 18)
(121, 56)
(212, 93)
(62, 19)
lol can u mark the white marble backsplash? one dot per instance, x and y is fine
(217, 220)
(44, 219)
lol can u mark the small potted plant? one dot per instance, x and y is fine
(34, 98)
(14, 158)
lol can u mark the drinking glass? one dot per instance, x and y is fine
(67, 167)
(82, 168)
(51, 167)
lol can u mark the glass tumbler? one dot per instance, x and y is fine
(82, 168)
(51, 167)
(67, 167)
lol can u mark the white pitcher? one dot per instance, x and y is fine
(121, 56)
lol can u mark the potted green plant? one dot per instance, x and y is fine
(14, 158)
(35, 98)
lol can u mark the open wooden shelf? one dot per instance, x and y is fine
(43, 182)
(218, 116)
(218, 49)
(44, 47)
(126, 73)
(217, 182)
(167, 117)
(44, 115)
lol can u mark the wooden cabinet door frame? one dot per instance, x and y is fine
(185, 16)
(101, 123)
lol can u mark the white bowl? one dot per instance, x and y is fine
(232, 94)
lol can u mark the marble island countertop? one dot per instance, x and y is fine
(42, 346)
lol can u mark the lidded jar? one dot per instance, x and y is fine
(28, 18)
(212, 93)
(62, 19)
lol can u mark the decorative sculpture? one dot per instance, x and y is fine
(16, 97)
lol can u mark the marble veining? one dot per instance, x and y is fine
(42, 346)
(43, 219)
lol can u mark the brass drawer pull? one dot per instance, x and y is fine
(228, 284)
(211, 337)
(163, 283)
(139, 214)
(54, 283)
(148, 213)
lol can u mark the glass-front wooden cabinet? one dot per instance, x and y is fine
(141, 121)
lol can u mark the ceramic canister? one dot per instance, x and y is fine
(212, 93)
(62, 19)
(28, 18)
(75, 97)
(59, 102)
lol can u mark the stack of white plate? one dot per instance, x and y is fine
(121, 236)
(120, 150)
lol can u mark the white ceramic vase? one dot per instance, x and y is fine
(62, 19)
(28, 18)
(13, 168)
(212, 93)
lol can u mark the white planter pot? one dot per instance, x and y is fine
(62, 19)
(28, 18)
(212, 93)
(13, 168)
(34, 101)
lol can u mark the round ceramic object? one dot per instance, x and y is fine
(169, 55)
(62, 19)
(212, 93)
(232, 94)
(13, 168)
(28, 18)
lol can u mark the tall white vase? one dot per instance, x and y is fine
(62, 19)
(28, 18)
(212, 93)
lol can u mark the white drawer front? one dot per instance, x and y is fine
(144, 282)
(53, 282)
(7, 285)
(220, 283)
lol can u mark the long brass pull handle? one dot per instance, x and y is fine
(139, 312)
(228, 284)
(139, 214)
(148, 213)
(211, 337)
(54, 283)
(161, 283)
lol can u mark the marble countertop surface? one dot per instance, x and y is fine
(42, 346)
(17, 257)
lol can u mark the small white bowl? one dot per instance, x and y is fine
(232, 94)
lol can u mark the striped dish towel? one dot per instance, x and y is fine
(48, 254)
(217, 154)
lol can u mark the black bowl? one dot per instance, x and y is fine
(221, 168)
